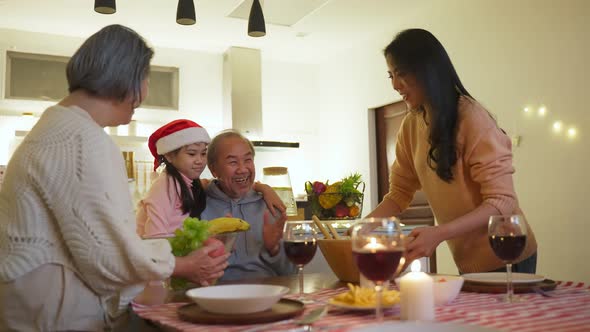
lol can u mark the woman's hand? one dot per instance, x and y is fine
(273, 201)
(425, 241)
(272, 233)
(199, 267)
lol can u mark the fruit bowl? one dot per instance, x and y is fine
(339, 211)
(338, 201)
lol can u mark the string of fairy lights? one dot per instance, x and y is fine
(558, 127)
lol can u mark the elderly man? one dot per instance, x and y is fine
(258, 252)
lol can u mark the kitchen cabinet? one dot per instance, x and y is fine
(32, 76)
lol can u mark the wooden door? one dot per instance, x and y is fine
(388, 120)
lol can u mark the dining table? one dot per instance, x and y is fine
(565, 308)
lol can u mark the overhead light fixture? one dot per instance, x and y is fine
(256, 26)
(273, 145)
(185, 12)
(105, 6)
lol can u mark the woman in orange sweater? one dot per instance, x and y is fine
(451, 148)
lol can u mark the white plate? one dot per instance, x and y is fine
(237, 299)
(421, 327)
(500, 278)
(356, 307)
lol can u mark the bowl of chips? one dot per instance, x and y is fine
(361, 298)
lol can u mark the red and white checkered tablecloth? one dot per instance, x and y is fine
(567, 310)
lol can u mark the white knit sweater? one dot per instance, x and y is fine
(65, 201)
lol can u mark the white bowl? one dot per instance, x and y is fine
(445, 287)
(237, 299)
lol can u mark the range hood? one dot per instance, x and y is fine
(242, 96)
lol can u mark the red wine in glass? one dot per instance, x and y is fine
(508, 248)
(300, 245)
(300, 252)
(378, 265)
(507, 236)
(377, 247)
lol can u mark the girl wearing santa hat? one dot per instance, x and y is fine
(178, 192)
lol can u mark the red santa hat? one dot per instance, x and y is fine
(175, 135)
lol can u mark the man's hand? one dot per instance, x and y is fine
(272, 233)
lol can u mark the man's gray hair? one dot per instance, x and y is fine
(112, 63)
(213, 147)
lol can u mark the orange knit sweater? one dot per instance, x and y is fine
(482, 175)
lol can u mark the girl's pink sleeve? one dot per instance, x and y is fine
(156, 210)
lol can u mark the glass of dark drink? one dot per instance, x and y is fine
(378, 250)
(507, 236)
(299, 241)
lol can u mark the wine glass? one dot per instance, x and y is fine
(378, 250)
(300, 243)
(507, 236)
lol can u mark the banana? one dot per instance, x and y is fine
(226, 225)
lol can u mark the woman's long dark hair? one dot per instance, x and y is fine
(191, 203)
(418, 52)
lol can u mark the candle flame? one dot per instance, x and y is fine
(415, 267)
(373, 245)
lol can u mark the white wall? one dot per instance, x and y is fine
(290, 113)
(509, 54)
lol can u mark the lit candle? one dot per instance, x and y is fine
(372, 246)
(417, 295)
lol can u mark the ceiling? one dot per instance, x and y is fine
(321, 26)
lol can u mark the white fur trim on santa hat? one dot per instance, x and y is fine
(181, 138)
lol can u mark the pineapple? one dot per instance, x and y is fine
(350, 183)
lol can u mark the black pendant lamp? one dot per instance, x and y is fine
(185, 12)
(256, 26)
(105, 6)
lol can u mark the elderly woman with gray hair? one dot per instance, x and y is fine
(69, 255)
